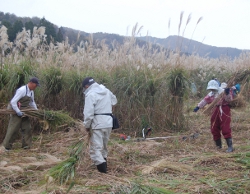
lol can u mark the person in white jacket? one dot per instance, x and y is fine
(24, 98)
(97, 110)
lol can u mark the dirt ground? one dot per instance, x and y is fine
(186, 162)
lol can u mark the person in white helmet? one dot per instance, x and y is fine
(221, 116)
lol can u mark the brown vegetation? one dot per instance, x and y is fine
(139, 76)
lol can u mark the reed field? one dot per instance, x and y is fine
(154, 88)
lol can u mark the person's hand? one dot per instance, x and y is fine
(196, 109)
(88, 129)
(20, 114)
(227, 90)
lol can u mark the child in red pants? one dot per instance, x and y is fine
(221, 116)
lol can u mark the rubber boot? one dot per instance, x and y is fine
(229, 144)
(102, 167)
(218, 143)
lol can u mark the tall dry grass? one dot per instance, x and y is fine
(138, 75)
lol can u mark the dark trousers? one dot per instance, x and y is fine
(15, 124)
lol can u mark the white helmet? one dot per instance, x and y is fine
(212, 85)
(223, 85)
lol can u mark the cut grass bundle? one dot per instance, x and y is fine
(239, 77)
(51, 119)
(65, 171)
(237, 102)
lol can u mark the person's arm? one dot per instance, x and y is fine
(113, 99)
(88, 111)
(19, 94)
(202, 103)
(207, 100)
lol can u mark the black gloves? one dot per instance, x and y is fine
(227, 90)
(196, 109)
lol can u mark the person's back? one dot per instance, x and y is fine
(97, 116)
(98, 100)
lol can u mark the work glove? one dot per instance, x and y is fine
(196, 109)
(227, 90)
(20, 114)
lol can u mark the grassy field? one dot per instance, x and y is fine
(184, 163)
(153, 87)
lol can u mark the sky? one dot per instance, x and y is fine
(222, 23)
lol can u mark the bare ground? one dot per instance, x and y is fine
(178, 165)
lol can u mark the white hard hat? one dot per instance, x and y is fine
(223, 85)
(212, 85)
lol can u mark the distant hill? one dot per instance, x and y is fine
(170, 43)
(194, 47)
(174, 43)
(108, 39)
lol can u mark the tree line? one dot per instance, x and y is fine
(16, 24)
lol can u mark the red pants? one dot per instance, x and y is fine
(221, 122)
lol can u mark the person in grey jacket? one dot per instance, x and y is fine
(97, 109)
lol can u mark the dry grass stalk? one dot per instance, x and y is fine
(238, 77)
(238, 102)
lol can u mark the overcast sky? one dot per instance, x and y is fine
(225, 23)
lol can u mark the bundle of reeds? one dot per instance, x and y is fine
(239, 77)
(51, 119)
(65, 171)
(238, 101)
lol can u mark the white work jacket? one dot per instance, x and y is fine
(98, 100)
(20, 93)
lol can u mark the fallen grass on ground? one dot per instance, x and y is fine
(175, 165)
